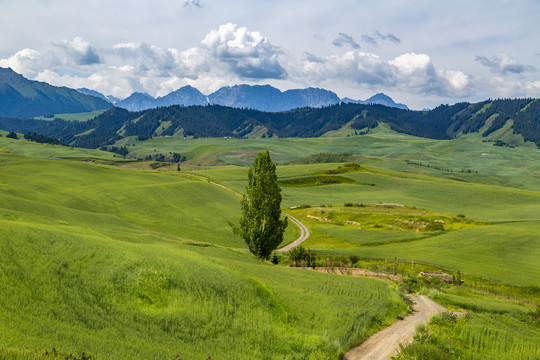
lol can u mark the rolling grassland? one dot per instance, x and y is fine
(114, 263)
(100, 256)
(492, 329)
(500, 243)
(452, 159)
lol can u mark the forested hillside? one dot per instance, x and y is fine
(20, 97)
(443, 122)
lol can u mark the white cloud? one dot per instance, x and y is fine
(30, 62)
(232, 54)
(504, 64)
(246, 53)
(80, 51)
(410, 71)
(147, 59)
(193, 3)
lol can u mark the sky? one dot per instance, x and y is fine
(421, 53)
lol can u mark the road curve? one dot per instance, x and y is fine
(385, 343)
(304, 232)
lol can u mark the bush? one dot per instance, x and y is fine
(297, 254)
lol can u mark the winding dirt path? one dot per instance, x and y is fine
(385, 343)
(304, 232)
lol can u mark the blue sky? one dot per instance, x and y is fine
(421, 53)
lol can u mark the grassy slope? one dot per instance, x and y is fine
(492, 329)
(31, 149)
(506, 250)
(85, 116)
(518, 167)
(78, 272)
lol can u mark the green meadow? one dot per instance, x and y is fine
(111, 262)
(103, 256)
(492, 328)
(465, 158)
(85, 116)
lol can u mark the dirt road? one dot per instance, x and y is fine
(385, 343)
(304, 234)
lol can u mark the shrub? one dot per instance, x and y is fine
(353, 259)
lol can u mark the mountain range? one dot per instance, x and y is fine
(232, 112)
(23, 98)
(255, 97)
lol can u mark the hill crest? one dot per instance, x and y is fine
(23, 98)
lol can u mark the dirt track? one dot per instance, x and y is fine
(385, 343)
(304, 234)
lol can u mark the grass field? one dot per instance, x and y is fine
(504, 248)
(125, 264)
(101, 257)
(466, 158)
(492, 329)
(29, 149)
(85, 116)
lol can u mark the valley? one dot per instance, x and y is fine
(284, 180)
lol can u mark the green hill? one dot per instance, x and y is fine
(103, 261)
(506, 123)
(22, 98)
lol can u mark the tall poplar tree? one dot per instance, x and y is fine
(261, 225)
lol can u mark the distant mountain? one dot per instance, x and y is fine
(92, 93)
(108, 98)
(112, 99)
(310, 97)
(380, 98)
(185, 96)
(268, 98)
(137, 102)
(23, 98)
(256, 97)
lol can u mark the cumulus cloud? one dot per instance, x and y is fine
(146, 58)
(230, 54)
(246, 53)
(377, 37)
(504, 64)
(80, 51)
(501, 87)
(345, 39)
(410, 71)
(30, 62)
(65, 55)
